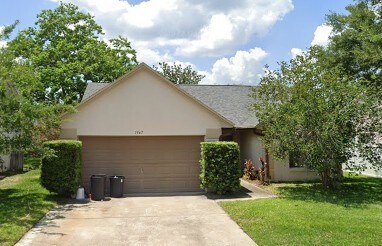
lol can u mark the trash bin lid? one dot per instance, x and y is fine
(117, 177)
(98, 175)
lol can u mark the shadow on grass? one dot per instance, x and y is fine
(22, 208)
(11, 173)
(354, 192)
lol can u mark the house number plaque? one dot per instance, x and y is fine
(138, 132)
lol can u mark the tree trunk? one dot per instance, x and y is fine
(331, 177)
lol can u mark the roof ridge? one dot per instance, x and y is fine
(188, 84)
(217, 85)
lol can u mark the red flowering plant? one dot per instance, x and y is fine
(249, 170)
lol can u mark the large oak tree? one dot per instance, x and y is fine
(67, 49)
(24, 122)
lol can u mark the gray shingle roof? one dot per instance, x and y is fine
(230, 101)
(92, 88)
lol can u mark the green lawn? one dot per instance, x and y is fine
(23, 201)
(306, 214)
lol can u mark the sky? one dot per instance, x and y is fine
(229, 42)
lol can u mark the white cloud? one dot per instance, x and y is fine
(151, 57)
(296, 52)
(246, 67)
(188, 27)
(3, 43)
(321, 35)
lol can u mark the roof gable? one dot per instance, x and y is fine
(96, 89)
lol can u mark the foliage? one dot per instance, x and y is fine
(178, 74)
(24, 123)
(326, 104)
(23, 202)
(250, 171)
(306, 107)
(357, 41)
(3, 168)
(220, 166)
(67, 50)
(357, 45)
(304, 214)
(61, 173)
(32, 163)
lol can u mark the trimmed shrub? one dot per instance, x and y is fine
(32, 163)
(60, 173)
(220, 167)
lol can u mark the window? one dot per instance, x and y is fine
(296, 159)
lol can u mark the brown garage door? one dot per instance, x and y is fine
(150, 164)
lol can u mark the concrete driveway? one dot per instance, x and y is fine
(158, 220)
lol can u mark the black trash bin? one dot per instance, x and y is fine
(116, 186)
(98, 186)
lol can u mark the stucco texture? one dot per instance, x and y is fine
(141, 103)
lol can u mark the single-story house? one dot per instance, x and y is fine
(148, 129)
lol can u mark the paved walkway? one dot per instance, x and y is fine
(248, 191)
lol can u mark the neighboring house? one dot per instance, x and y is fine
(6, 163)
(14, 161)
(148, 129)
(369, 170)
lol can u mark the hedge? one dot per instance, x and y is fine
(61, 172)
(220, 167)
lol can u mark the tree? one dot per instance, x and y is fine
(310, 110)
(178, 74)
(24, 123)
(326, 104)
(357, 46)
(357, 41)
(66, 49)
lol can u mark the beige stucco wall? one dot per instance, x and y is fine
(282, 171)
(7, 160)
(142, 104)
(252, 148)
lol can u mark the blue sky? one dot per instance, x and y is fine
(228, 41)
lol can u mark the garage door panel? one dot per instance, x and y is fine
(132, 186)
(150, 164)
(166, 185)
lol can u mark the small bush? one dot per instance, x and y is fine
(61, 172)
(32, 163)
(220, 166)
